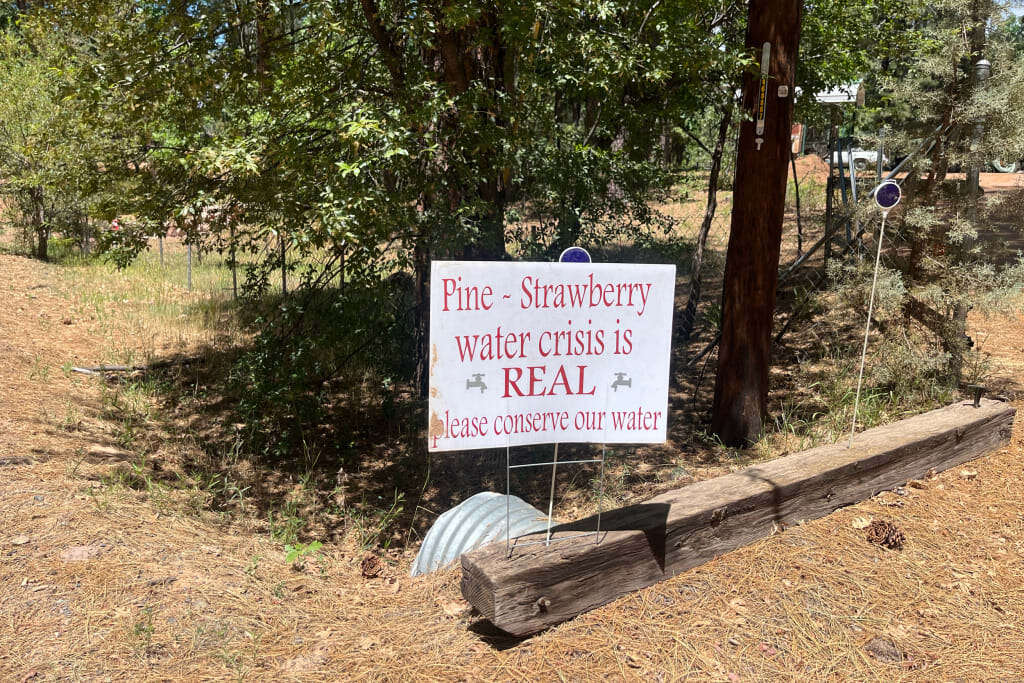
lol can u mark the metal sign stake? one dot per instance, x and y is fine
(600, 498)
(551, 498)
(887, 195)
(570, 255)
(508, 504)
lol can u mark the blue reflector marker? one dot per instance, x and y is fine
(574, 255)
(888, 195)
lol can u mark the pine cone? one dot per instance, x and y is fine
(886, 534)
(371, 566)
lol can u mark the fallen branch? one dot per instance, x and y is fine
(101, 369)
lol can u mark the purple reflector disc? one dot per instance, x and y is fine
(888, 195)
(574, 255)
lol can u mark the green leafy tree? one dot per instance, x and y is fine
(371, 137)
(33, 155)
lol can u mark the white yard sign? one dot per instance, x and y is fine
(529, 353)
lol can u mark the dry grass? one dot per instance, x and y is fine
(171, 591)
(147, 308)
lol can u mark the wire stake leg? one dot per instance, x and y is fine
(551, 498)
(867, 329)
(508, 514)
(600, 497)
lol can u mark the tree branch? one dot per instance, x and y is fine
(385, 41)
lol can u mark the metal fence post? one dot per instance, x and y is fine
(234, 265)
(284, 264)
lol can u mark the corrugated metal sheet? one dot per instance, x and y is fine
(474, 522)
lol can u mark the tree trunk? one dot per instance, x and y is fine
(752, 260)
(690, 312)
(39, 225)
(421, 267)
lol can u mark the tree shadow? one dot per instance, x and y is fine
(367, 457)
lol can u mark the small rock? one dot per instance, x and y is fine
(10, 462)
(453, 607)
(80, 553)
(307, 662)
(968, 474)
(884, 650)
(163, 581)
(20, 539)
(99, 451)
(65, 321)
(367, 643)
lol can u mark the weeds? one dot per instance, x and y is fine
(373, 525)
(287, 523)
(296, 555)
(254, 564)
(102, 504)
(142, 631)
(40, 371)
(72, 420)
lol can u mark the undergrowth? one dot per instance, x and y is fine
(300, 420)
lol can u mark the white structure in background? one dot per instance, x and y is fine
(862, 158)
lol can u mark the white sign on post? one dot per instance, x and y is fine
(531, 353)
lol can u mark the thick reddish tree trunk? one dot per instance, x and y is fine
(752, 261)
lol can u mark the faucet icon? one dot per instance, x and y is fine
(477, 381)
(621, 381)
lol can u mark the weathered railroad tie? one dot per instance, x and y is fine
(539, 586)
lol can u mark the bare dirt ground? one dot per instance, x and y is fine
(100, 581)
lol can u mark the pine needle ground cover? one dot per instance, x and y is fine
(106, 571)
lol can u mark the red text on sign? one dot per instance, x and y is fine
(537, 384)
(461, 297)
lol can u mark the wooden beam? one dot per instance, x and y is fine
(539, 586)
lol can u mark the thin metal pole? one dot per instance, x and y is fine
(341, 274)
(829, 190)
(878, 164)
(867, 328)
(600, 497)
(160, 239)
(508, 504)
(853, 176)
(234, 265)
(189, 268)
(551, 499)
(853, 195)
(284, 265)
